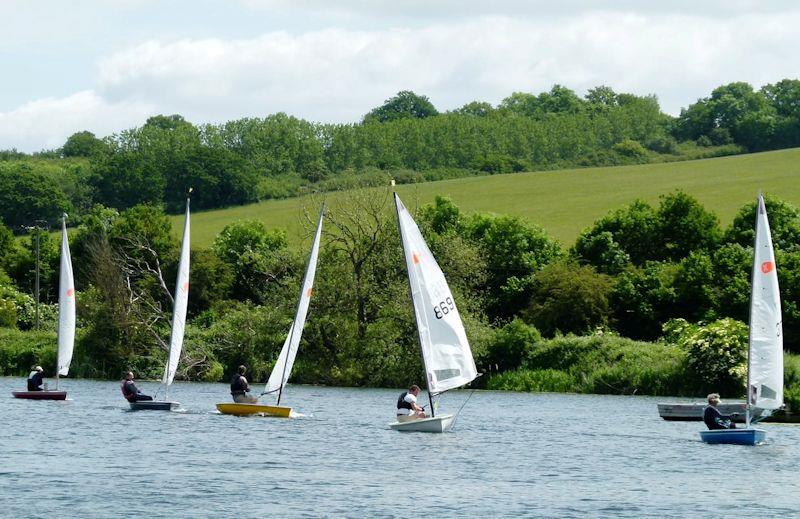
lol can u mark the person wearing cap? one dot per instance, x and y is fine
(713, 418)
(240, 388)
(130, 391)
(35, 379)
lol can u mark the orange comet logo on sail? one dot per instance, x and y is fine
(415, 258)
(70, 292)
(185, 287)
(767, 267)
(309, 292)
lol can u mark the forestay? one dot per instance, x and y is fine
(765, 370)
(283, 366)
(445, 350)
(180, 303)
(66, 305)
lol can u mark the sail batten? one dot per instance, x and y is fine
(180, 304)
(765, 359)
(446, 353)
(283, 366)
(66, 305)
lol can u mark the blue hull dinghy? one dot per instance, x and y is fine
(734, 436)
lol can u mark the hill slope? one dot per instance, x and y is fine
(563, 202)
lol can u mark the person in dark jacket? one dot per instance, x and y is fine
(35, 379)
(240, 388)
(713, 418)
(130, 391)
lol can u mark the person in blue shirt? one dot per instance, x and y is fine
(713, 418)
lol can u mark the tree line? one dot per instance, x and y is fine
(667, 274)
(278, 156)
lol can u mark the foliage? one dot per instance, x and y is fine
(784, 223)
(404, 104)
(28, 195)
(717, 354)
(569, 298)
(82, 144)
(510, 346)
(600, 363)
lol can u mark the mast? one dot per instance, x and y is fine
(297, 307)
(60, 306)
(413, 306)
(759, 206)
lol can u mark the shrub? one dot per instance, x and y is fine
(511, 345)
(630, 148)
(717, 355)
(567, 297)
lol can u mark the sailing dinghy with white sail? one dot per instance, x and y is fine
(765, 351)
(446, 355)
(66, 322)
(179, 306)
(283, 366)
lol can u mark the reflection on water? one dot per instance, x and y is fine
(508, 454)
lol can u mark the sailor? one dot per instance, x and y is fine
(240, 388)
(35, 379)
(130, 391)
(713, 418)
(407, 408)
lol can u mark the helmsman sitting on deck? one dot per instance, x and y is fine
(131, 392)
(407, 408)
(713, 418)
(35, 379)
(240, 388)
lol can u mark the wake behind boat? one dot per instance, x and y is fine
(66, 323)
(446, 355)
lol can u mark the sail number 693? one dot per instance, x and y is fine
(444, 308)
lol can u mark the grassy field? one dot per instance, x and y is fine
(563, 202)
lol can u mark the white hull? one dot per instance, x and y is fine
(437, 424)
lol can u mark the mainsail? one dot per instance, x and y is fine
(765, 360)
(283, 366)
(445, 350)
(179, 306)
(66, 305)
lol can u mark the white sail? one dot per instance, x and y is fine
(765, 365)
(283, 366)
(445, 350)
(66, 305)
(180, 303)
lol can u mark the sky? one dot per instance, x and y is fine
(107, 66)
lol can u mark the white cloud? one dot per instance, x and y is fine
(46, 123)
(337, 75)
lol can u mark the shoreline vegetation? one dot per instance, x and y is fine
(646, 292)
(593, 364)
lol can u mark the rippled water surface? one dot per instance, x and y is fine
(509, 454)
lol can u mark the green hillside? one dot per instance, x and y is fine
(564, 202)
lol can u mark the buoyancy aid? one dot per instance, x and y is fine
(125, 392)
(401, 402)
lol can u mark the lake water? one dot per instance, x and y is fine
(509, 454)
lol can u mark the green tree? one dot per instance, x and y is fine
(82, 144)
(685, 226)
(404, 104)
(27, 196)
(784, 222)
(569, 298)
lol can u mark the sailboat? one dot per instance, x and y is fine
(66, 322)
(765, 351)
(446, 354)
(180, 302)
(283, 366)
